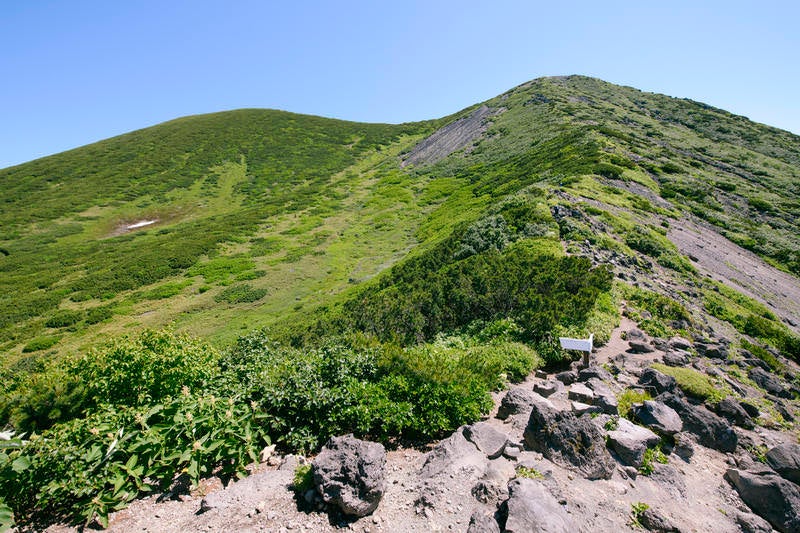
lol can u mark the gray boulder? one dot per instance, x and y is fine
(547, 388)
(785, 460)
(481, 522)
(653, 520)
(567, 377)
(769, 382)
(581, 393)
(711, 430)
(752, 523)
(569, 441)
(596, 372)
(658, 417)
(679, 343)
(630, 442)
(349, 473)
(487, 439)
(769, 496)
(676, 358)
(713, 351)
(604, 397)
(640, 346)
(455, 453)
(531, 508)
(517, 400)
(656, 381)
(733, 411)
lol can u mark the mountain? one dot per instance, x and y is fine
(432, 256)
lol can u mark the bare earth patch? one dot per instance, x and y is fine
(740, 269)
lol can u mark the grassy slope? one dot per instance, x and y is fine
(306, 208)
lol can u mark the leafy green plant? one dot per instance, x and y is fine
(612, 424)
(303, 479)
(637, 510)
(241, 293)
(40, 343)
(628, 398)
(527, 472)
(650, 458)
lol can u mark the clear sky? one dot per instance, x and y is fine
(76, 71)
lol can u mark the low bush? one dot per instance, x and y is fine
(40, 343)
(694, 383)
(628, 398)
(241, 293)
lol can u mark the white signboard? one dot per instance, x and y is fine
(584, 345)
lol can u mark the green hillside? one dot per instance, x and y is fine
(316, 276)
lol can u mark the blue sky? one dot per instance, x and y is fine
(73, 72)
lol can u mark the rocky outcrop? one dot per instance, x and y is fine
(653, 520)
(349, 473)
(711, 430)
(486, 439)
(785, 460)
(630, 441)
(733, 412)
(454, 453)
(769, 382)
(658, 416)
(517, 400)
(657, 382)
(567, 440)
(481, 522)
(769, 496)
(532, 509)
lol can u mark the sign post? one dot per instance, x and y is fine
(582, 345)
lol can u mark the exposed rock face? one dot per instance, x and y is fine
(454, 453)
(604, 397)
(481, 522)
(569, 441)
(630, 442)
(656, 381)
(487, 439)
(567, 377)
(768, 382)
(658, 417)
(733, 411)
(581, 393)
(676, 358)
(548, 388)
(597, 372)
(711, 430)
(769, 496)
(653, 520)
(349, 473)
(532, 509)
(785, 460)
(516, 401)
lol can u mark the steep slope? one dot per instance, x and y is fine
(403, 273)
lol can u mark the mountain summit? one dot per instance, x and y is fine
(382, 279)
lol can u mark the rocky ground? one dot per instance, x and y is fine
(552, 456)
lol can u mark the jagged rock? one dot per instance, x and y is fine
(679, 343)
(567, 377)
(769, 496)
(580, 409)
(630, 441)
(713, 351)
(596, 372)
(640, 346)
(711, 430)
(752, 523)
(768, 382)
(548, 388)
(349, 473)
(658, 416)
(481, 522)
(569, 441)
(604, 398)
(683, 447)
(785, 460)
(531, 508)
(541, 374)
(783, 410)
(653, 520)
(732, 411)
(635, 334)
(453, 454)
(486, 438)
(511, 451)
(489, 492)
(656, 381)
(581, 393)
(676, 358)
(517, 400)
(750, 409)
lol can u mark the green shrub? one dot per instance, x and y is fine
(651, 457)
(303, 479)
(694, 383)
(40, 343)
(241, 293)
(64, 318)
(628, 398)
(98, 314)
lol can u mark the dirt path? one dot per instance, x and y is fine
(740, 269)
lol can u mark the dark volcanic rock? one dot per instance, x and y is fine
(653, 520)
(732, 411)
(640, 346)
(569, 441)
(597, 372)
(711, 430)
(604, 397)
(658, 417)
(349, 473)
(769, 496)
(630, 442)
(567, 377)
(656, 381)
(532, 509)
(769, 382)
(548, 388)
(676, 358)
(785, 460)
(486, 438)
(481, 522)
(581, 393)
(517, 400)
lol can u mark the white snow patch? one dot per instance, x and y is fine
(141, 223)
